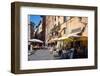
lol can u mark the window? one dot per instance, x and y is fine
(80, 18)
(55, 18)
(58, 23)
(65, 19)
(64, 30)
(58, 16)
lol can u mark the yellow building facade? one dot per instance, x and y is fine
(62, 26)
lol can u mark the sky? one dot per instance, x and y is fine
(35, 18)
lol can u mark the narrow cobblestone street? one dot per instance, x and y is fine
(42, 54)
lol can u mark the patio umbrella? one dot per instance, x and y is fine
(77, 37)
(74, 35)
(65, 39)
(36, 40)
(55, 39)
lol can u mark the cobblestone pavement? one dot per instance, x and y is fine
(42, 54)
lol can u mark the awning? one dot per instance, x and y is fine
(74, 34)
(65, 39)
(82, 38)
(36, 40)
(55, 39)
(69, 36)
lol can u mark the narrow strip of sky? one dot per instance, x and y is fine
(35, 19)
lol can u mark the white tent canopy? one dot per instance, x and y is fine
(36, 40)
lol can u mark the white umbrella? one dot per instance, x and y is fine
(74, 35)
(62, 38)
(55, 39)
(35, 40)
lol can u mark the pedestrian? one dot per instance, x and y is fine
(63, 54)
(76, 53)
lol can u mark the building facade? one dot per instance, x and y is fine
(62, 26)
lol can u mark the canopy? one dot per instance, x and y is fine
(73, 35)
(65, 39)
(83, 38)
(55, 39)
(36, 40)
